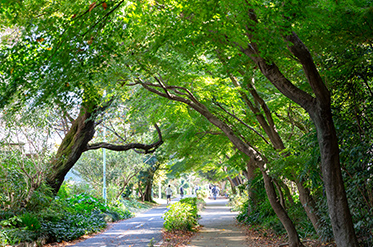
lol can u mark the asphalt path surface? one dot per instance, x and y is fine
(220, 228)
(137, 231)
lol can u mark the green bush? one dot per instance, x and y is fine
(84, 203)
(181, 215)
(236, 202)
(30, 221)
(73, 226)
(64, 220)
(192, 201)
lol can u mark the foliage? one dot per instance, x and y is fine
(182, 215)
(64, 220)
(25, 148)
(72, 226)
(202, 193)
(237, 201)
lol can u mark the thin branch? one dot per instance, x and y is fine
(210, 132)
(162, 86)
(104, 17)
(114, 132)
(237, 118)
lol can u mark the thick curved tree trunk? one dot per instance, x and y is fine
(71, 148)
(339, 211)
(318, 107)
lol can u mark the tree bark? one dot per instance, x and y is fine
(339, 211)
(294, 240)
(251, 175)
(72, 146)
(309, 205)
(234, 191)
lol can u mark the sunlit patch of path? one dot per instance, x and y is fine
(219, 227)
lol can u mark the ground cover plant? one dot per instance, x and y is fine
(65, 219)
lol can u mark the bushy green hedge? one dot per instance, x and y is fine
(182, 215)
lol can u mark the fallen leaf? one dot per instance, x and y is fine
(104, 5)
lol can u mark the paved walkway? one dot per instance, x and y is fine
(219, 227)
(134, 232)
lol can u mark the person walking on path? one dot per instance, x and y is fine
(215, 191)
(168, 193)
(181, 192)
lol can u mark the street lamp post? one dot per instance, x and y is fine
(104, 170)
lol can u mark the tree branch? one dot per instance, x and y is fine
(237, 118)
(148, 148)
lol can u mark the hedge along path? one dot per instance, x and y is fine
(219, 227)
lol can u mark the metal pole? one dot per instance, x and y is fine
(104, 170)
(160, 190)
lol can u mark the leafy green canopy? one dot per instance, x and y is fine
(58, 52)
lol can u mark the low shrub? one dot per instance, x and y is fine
(30, 221)
(179, 217)
(182, 215)
(73, 226)
(64, 220)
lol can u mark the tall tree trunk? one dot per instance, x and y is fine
(148, 191)
(72, 146)
(339, 211)
(309, 205)
(251, 175)
(279, 210)
(234, 191)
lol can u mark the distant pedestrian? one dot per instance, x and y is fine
(196, 188)
(181, 192)
(168, 193)
(215, 191)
